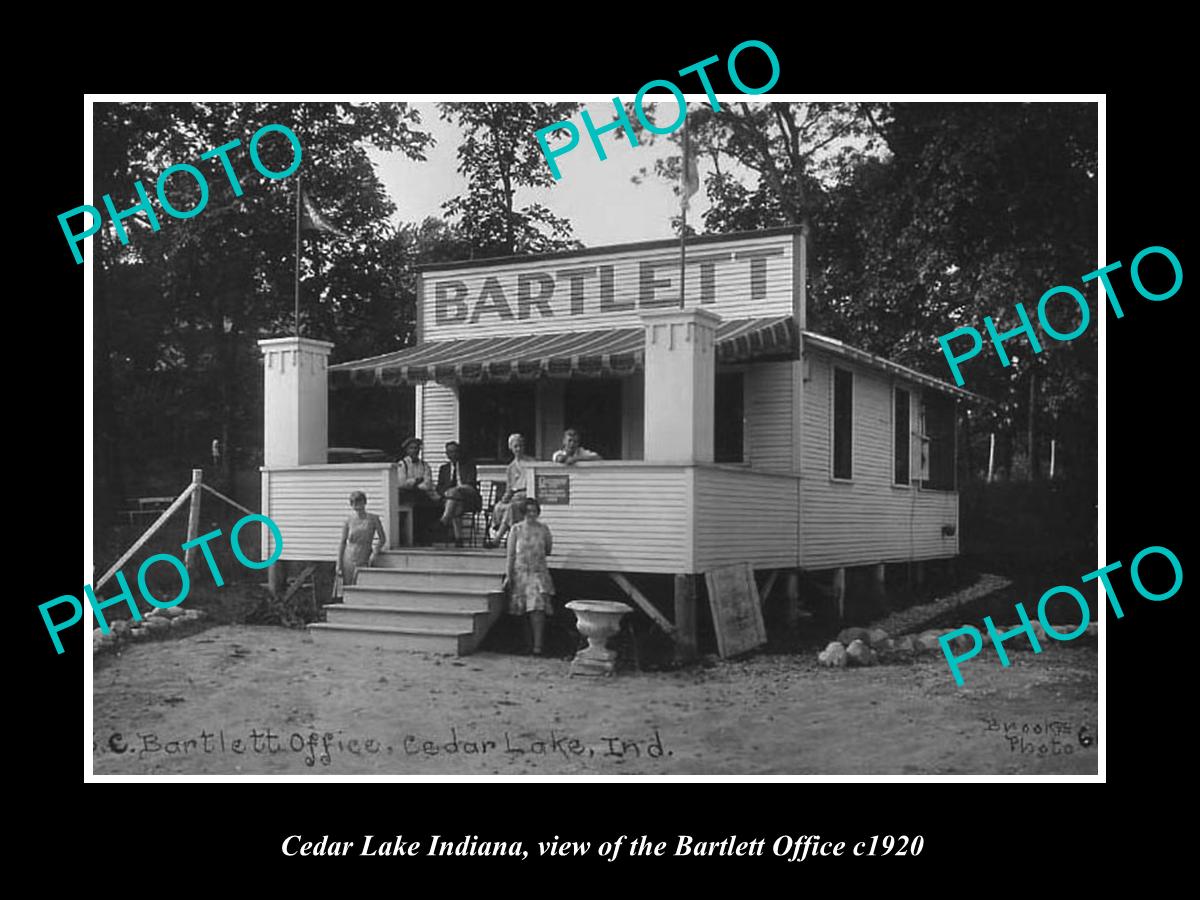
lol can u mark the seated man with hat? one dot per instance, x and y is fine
(418, 489)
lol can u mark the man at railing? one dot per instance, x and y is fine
(572, 452)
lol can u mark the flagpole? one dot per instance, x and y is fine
(298, 196)
(683, 205)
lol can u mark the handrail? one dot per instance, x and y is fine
(188, 492)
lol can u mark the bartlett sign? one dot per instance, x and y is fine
(571, 291)
(737, 277)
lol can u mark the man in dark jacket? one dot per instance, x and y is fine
(456, 485)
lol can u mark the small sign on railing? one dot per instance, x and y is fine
(552, 490)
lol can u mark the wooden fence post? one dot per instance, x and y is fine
(193, 530)
(685, 618)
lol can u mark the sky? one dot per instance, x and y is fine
(598, 197)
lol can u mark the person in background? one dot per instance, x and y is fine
(515, 476)
(456, 485)
(357, 548)
(571, 451)
(527, 575)
(417, 488)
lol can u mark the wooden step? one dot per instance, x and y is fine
(416, 601)
(426, 560)
(368, 595)
(413, 577)
(460, 621)
(428, 640)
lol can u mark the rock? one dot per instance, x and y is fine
(174, 612)
(905, 642)
(152, 613)
(850, 635)
(962, 643)
(177, 622)
(1044, 640)
(860, 654)
(156, 624)
(139, 634)
(198, 613)
(927, 641)
(876, 637)
(1093, 630)
(120, 629)
(833, 656)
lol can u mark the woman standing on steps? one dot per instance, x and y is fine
(358, 538)
(528, 574)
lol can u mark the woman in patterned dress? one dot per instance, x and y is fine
(528, 575)
(358, 539)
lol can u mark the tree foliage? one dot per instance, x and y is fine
(770, 164)
(924, 217)
(179, 311)
(498, 156)
(979, 206)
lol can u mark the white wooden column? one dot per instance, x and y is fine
(295, 401)
(680, 385)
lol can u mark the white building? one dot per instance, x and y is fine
(730, 432)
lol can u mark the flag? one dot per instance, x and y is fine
(312, 220)
(689, 176)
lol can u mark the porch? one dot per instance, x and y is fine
(606, 516)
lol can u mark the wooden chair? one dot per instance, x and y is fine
(496, 490)
(469, 519)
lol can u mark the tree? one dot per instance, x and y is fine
(978, 207)
(769, 163)
(499, 155)
(182, 308)
(925, 217)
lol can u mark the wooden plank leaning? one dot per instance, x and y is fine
(640, 599)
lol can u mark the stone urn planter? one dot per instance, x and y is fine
(597, 620)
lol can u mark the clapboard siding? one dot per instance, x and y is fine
(744, 516)
(732, 295)
(622, 518)
(769, 405)
(865, 520)
(439, 417)
(310, 503)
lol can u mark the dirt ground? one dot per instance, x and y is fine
(239, 699)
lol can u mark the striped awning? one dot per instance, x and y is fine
(613, 351)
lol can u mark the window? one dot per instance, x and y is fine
(939, 433)
(489, 413)
(728, 418)
(902, 435)
(843, 423)
(592, 406)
